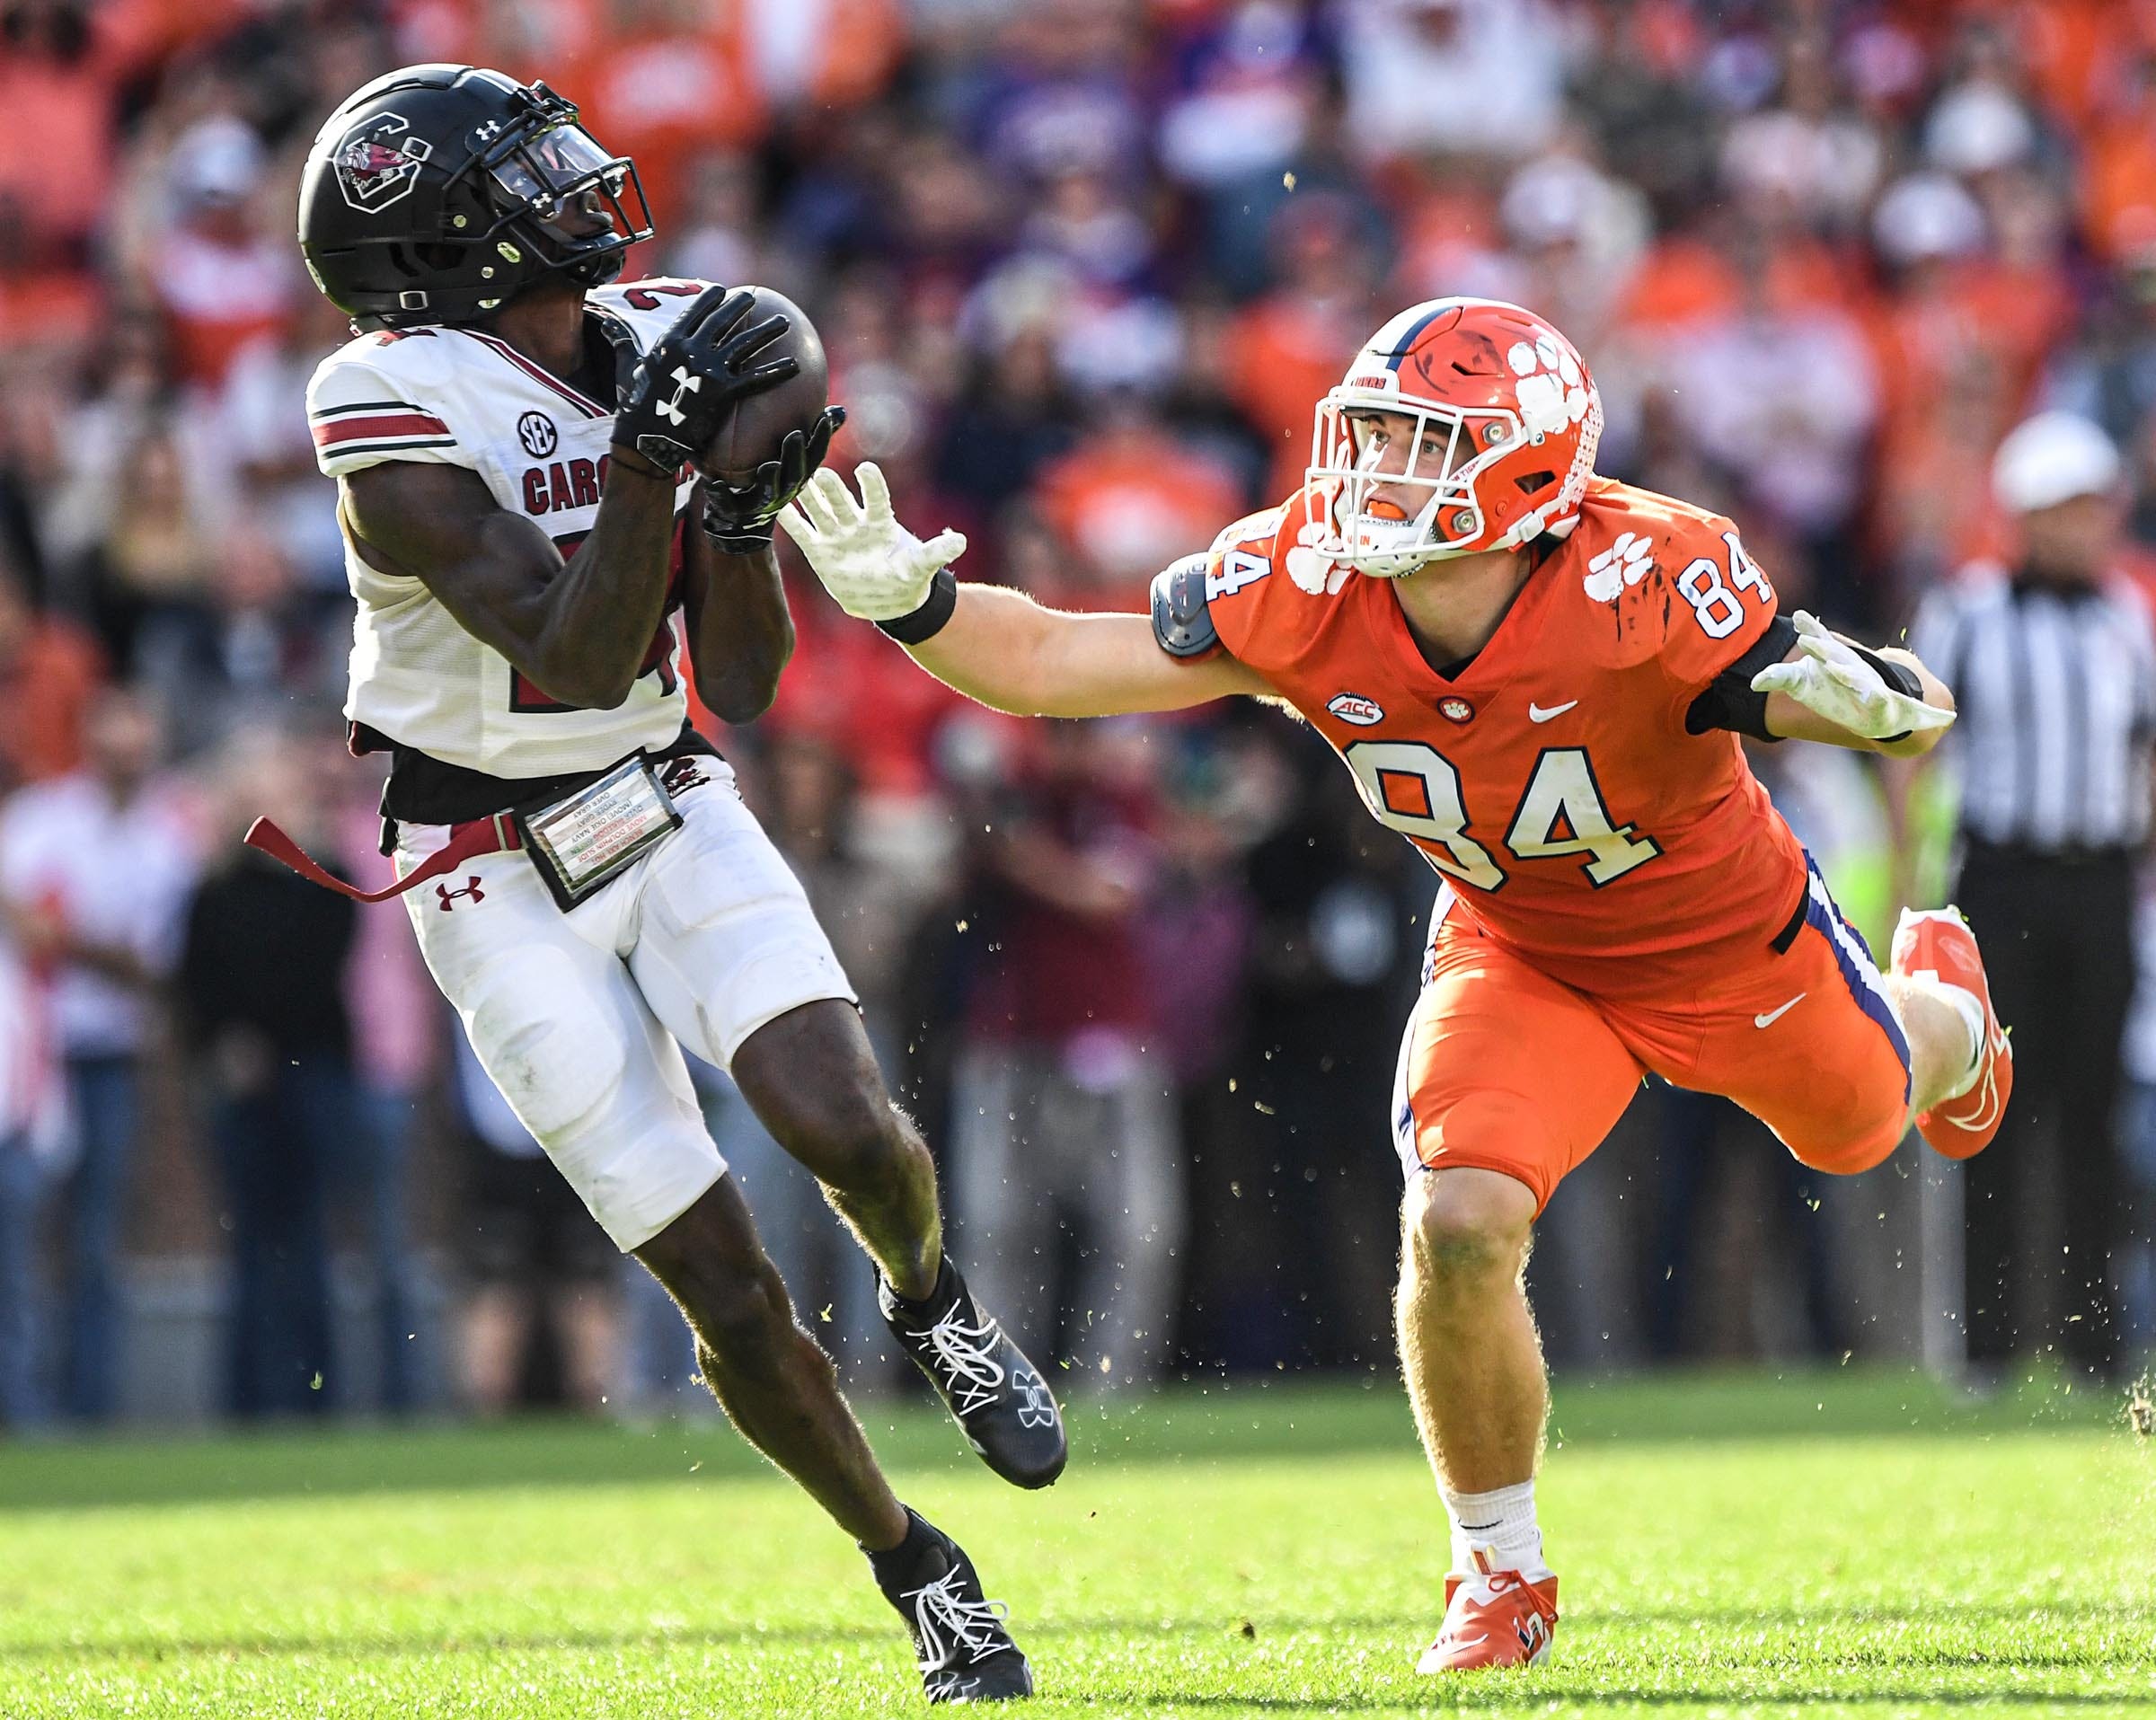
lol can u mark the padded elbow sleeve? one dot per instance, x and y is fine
(1182, 620)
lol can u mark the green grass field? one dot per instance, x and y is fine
(1838, 1542)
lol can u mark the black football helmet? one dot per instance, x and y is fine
(438, 193)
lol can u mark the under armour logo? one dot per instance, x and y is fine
(449, 896)
(685, 386)
(1036, 1404)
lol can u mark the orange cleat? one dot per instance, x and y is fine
(1492, 1618)
(1936, 944)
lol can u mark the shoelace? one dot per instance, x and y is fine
(1477, 1613)
(946, 1619)
(966, 1353)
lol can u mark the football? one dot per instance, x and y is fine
(760, 422)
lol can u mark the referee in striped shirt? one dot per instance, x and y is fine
(2053, 667)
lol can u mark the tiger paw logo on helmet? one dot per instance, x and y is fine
(1553, 389)
(1499, 420)
(1626, 562)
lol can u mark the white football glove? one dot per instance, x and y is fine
(1833, 680)
(873, 566)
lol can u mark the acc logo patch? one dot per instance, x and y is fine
(378, 163)
(1353, 707)
(1456, 710)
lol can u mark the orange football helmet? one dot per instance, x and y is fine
(1519, 418)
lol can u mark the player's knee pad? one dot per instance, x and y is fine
(555, 1052)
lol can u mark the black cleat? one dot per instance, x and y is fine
(1000, 1401)
(964, 1653)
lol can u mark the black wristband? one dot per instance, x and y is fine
(1902, 678)
(737, 541)
(926, 622)
(1728, 701)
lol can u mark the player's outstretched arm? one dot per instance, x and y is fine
(1828, 689)
(991, 644)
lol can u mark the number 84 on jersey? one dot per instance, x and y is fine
(1414, 788)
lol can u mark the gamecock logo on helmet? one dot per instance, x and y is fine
(378, 163)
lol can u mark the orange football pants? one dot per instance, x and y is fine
(1504, 1068)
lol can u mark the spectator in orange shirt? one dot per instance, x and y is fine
(2118, 200)
(673, 80)
(1293, 345)
(57, 92)
(1130, 498)
(49, 673)
(56, 150)
(526, 39)
(1929, 231)
(823, 54)
(223, 280)
(40, 306)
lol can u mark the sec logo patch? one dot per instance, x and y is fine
(536, 431)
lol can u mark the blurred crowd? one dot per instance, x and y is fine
(1083, 267)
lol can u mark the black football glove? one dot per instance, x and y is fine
(677, 398)
(737, 517)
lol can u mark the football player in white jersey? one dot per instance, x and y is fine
(517, 441)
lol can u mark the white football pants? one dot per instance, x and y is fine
(581, 1018)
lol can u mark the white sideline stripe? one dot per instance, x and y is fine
(1846, 942)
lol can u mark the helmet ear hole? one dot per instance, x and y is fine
(1531, 481)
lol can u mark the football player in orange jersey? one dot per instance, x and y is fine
(1539, 677)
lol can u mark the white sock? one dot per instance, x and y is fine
(1969, 1006)
(1971, 1010)
(1501, 1523)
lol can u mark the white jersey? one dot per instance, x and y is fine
(460, 397)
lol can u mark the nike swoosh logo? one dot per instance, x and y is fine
(1772, 1016)
(1536, 714)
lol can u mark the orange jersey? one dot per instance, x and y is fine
(1552, 780)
